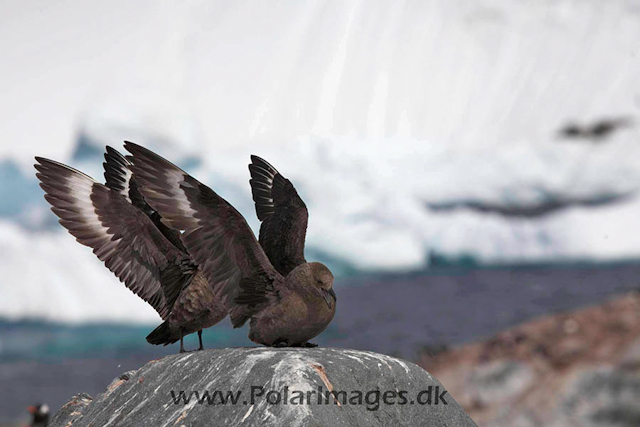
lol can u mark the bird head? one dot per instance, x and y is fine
(323, 280)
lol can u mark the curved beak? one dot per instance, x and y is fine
(329, 296)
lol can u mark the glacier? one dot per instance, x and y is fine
(375, 110)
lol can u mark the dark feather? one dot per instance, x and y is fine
(283, 214)
(118, 176)
(116, 172)
(215, 234)
(121, 235)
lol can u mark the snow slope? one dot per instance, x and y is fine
(374, 109)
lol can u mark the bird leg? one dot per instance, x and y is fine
(309, 345)
(181, 343)
(200, 339)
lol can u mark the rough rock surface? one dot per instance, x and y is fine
(571, 369)
(375, 388)
(73, 409)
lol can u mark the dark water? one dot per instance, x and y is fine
(393, 314)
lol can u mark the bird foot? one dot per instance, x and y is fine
(285, 344)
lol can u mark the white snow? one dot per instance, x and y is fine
(372, 109)
(53, 277)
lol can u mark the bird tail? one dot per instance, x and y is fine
(162, 335)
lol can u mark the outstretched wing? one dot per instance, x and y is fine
(283, 214)
(119, 177)
(215, 234)
(121, 235)
(117, 173)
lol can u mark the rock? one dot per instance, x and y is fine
(601, 397)
(272, 386)
(73, 410)
(497, 381)
(569, 369)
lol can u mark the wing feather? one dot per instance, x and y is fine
(283, 215)
(119, 177)
(215, 234)
(120, 234)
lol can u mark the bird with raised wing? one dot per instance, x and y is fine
(130, 238)
(287, 300)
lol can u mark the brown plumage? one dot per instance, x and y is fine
(128, 236)
(288, 300)
(283, 215)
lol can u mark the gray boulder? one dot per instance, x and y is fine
(603, 396)
(271, 386)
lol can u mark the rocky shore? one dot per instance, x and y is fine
(579, 368)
